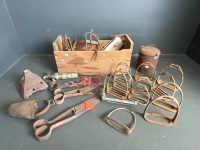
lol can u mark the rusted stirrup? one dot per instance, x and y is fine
(90, 41)
(120, 81)
(127, 129)
(141, 78)
(163, 105)
(115, 100)
(159, 92)
(139, 93)
(178, 68)
(123, 67)
(119, 87)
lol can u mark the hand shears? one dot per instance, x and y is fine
(85, 81)
(43, 128)
(60, 95)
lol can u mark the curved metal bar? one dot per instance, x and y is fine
(174, 91)
(135, 94)
(118, 89)
(140, 78)
(174, 66)
(160, 100)
(92, 34)
(163, 74)
(128, 130)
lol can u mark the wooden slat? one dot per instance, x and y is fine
(73, 57)
(57, 44)
(88, 68)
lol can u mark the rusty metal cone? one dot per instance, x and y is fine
(30, 83)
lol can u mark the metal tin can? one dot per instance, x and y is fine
(149, 54)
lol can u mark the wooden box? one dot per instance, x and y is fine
(83, 62)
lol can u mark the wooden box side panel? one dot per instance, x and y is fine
(57, 44)
(84, 63)
(90, 69)
(128, 43)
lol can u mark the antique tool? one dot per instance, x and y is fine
(173, 66)
(81, 82)
(115, 100)
(74, 44)
(165, 103)
(90, 41)
(118, 84)
(43, 128)
(30, 83)
(123, 68)
(60, 95)
(57, 76)
(68, 44)
(65, 42)
(28, 109)
(173, 107)
(159, 91)
(139, 93)
(127, 130)
(145, 79)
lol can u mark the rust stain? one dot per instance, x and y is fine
(77, 60)
(90, 68)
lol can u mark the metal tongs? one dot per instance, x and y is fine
(43, 127)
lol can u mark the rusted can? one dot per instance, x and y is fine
(149, 54)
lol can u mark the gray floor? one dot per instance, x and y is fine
(90, 130)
